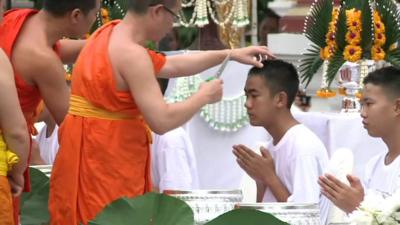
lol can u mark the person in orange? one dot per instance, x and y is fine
(14, 140)
(31, 40)
(115, 101)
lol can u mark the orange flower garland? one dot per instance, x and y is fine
(327, 52)
(325, 93)
(353, 52)
(105, 15)
(377, 53)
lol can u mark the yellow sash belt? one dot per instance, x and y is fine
(7, 158)
(79, 106)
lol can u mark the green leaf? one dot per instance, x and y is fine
(34, 205)
(390, 16)
(334, 65)
(148, 209)
(246, 217)
(341, 30)
(366, 33)
(318, 22)
(310, 64)
(393, 57)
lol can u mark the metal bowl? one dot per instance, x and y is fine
(208, 204)
(292, 213)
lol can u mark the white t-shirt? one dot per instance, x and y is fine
(381, 178)
(48, 146)
(300, 158)
(173, 161)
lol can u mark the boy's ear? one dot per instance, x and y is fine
(75, 15)
(281, 99)
(397, 106)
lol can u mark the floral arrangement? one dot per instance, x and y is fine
(378, 210)
(353, 31)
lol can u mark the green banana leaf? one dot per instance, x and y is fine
(159, 209)
(246, 217)
(148, 209)
(34, 204)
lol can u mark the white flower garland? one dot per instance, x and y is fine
(228, 115)
(238, 14)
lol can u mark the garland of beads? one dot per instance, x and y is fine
(228, 115)
(238, 14)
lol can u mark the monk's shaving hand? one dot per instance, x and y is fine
(252, 55)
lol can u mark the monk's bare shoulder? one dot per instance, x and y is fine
(35, 63)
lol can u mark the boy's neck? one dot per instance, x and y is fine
(392, 141)
(284, 121)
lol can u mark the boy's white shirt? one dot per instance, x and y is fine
(48, 146)
(381, 178)
(300, 158)
(173, 161)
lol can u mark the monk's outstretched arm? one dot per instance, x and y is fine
(190, 64)
(70, 49)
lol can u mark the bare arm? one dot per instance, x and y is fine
(49, 75)
(260, 191)
(70, 49)
(142, 83)
(13, 124)
(189, 64)
(277, 188)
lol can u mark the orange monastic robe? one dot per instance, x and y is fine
(99, 160)
(29, 95)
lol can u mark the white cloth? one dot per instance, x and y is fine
(48, 146)
(174, 163)
(300, 158)
(381, 178)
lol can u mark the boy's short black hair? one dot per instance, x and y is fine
(279, 76)
(388, 78)
(61, 7)
(141, 6)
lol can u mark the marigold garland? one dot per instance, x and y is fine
(353, 52)
(327, 52)
(377, 52)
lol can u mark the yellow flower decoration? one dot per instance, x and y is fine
(353, 19)
(330, 37)
(379, 27)
(105, 15)
(342, 91)
(377, 53)
(327, 52)
(353, 37)
(352, 53)
(68, 77)
(393, 47)
(380, 39)
(325, 93)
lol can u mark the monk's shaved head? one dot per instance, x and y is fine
(61, 7)
(140, 6)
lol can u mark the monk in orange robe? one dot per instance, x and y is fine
(115, 99)
(31, 40)
(13, 135)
